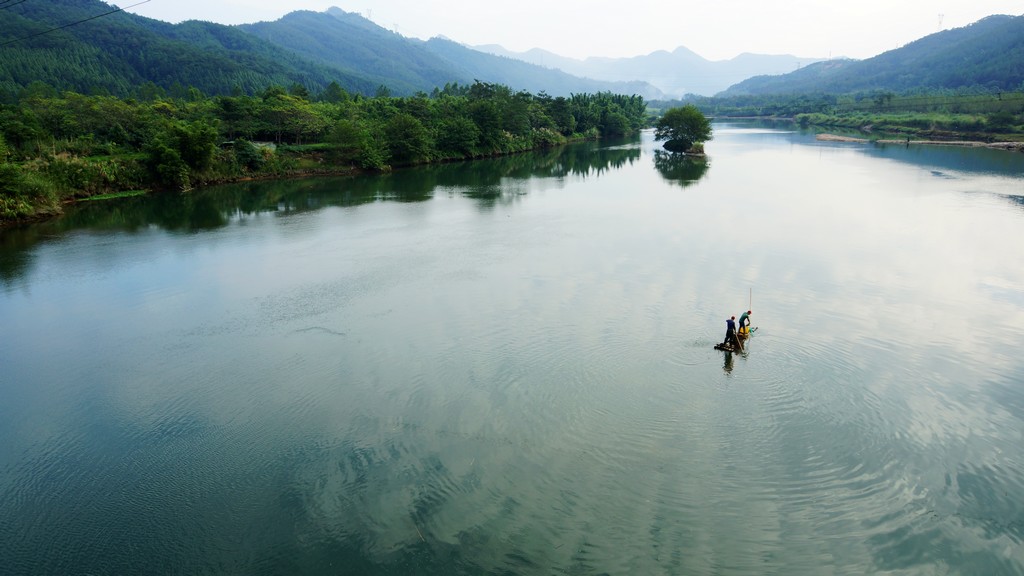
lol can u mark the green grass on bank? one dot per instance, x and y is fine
(115, 195)
(998, 127)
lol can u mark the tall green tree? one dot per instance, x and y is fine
(487, 117)
(560, 110)
(239, 115)
(408, 140)
(457, 135)
(350, 143)
(334, 94)
(197, 142)
(682, 128)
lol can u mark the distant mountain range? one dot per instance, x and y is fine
(675, 73)
(987, 54)
(120, 52)
(350, 42)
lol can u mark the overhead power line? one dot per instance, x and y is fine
(9, 4)
(68, 25)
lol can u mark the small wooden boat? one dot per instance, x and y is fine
(727, 347)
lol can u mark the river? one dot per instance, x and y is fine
(507, 367)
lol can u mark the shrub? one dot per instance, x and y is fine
(547, 137)
(197, 142)
(166, 166)
(24, 192)
(408, 140)
(1000, 121)
(248, 155)
(457, 135)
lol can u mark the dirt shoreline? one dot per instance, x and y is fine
(1018, 146)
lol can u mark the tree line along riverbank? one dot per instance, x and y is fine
(974, 114)
(987, 117)
(1016, 146)
(58, 148)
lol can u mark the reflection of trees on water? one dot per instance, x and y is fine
(945, 159)
(595, 158)
(679, 168)
(1018, 201)
(500, 181)
(491, 182)
(15, 257)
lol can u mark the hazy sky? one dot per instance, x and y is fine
(715, 29)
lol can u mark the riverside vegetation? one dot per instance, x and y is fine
(60, 147)
(964, 114)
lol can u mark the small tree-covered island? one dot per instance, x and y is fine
(684, 130)
(56, 148)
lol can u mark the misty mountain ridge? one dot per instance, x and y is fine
(349, 41)
(676, 73)
(988, 54)
(120, 52)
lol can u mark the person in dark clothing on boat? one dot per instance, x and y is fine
(730, 332)
(745, 322)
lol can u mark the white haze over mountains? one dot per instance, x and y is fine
(716, 44)
(579, 29)
(675, 73)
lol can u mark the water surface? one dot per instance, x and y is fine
(506, 367)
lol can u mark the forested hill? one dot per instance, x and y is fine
(988, 54)
(351, 42)
(121, 52)
(530, 77)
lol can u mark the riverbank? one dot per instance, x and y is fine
(60, 148)
(1013, 146)
(44, 208)
(290, 163)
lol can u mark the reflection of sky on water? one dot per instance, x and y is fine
(529, 380)
(897, 266)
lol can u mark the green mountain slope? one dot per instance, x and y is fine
(350, 42)
(987, 54)
(530, 77)
(118, 52)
